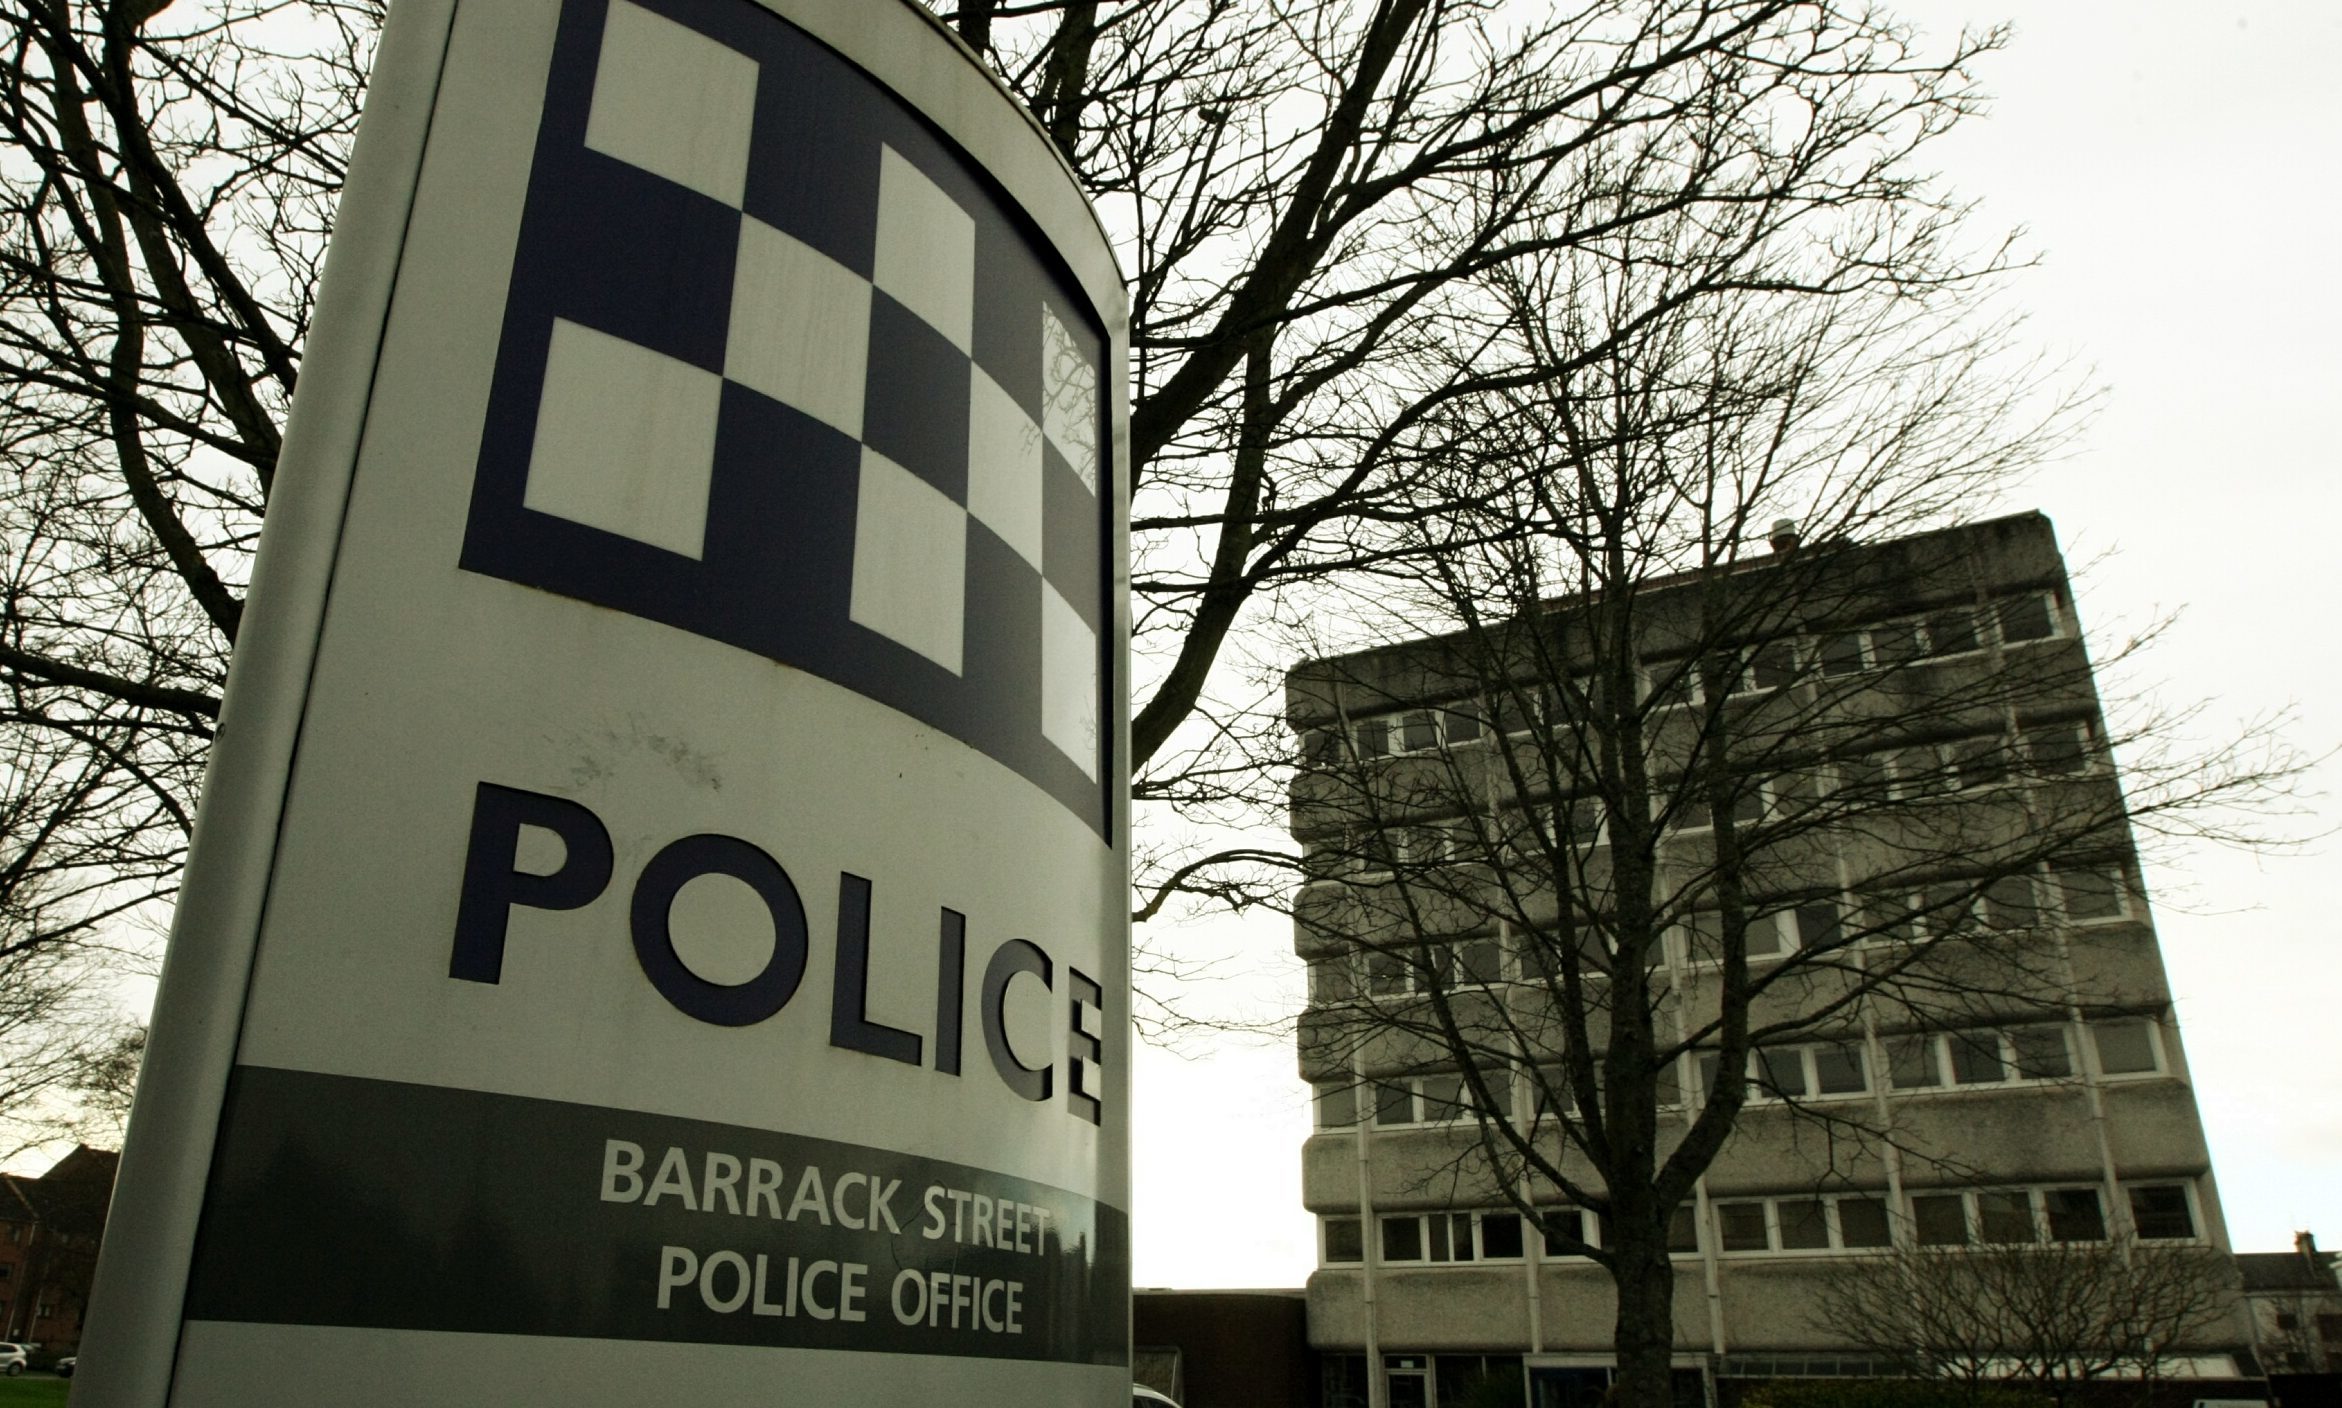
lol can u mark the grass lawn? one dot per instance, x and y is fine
(33, 1391)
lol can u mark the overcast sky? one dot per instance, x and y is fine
(2178, 168)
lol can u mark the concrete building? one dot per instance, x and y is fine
(1936, 683)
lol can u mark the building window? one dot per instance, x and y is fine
(1418, 731)
(1797, 1072)
(2160, 1212)
(1446, 1238)
(2093, 893)
(1952, 632)
(2039, 1053)
(2126, 1047)
(1980, 762)
(1672, 684)
(2027, 617)
(1402, 1239)
(2008, 1215)
(1333, 981)
(1344, 1240)
(1500, 1236)
(1417, 1100)
(1512, 712)
(1465, 963)
(2060, 750)
(1939, 1219)
(2005, 1216)
(1978, 1057)
(1819, 923)
(2074, 1215)
(1862, 1222)
(1683, 1229)
(1911, 1063)
(1740, 1227)
(1563, 1230)
(1751, 800)
(1581, 821)
(1847, 1222)
(1772, 665)
(2009, 904)
(1337, 1106)
(1700, 935)
(1475, 962)
(1860, 778)
(1838, 1069)
(1840, 653)
(1477, 1378)
(1887, 919)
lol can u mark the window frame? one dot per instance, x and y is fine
(2051, 609)
(1808, 1057)
(1470, 1220)
(1447, 969)
(2158, 1054)
(2185, 1187)
(1325, 1256)
(2118, 879)
(1776, 1239)
(2037, 1211)
(1681, 937)
(1420, 1102)
(1932, 635)
(1764, 794)
(2089, 758)
(2006, 1053)
(1689, 691)
(1321, 1092)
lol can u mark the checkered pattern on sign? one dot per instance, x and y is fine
(782, 368)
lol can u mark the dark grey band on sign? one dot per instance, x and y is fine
(342, 1201)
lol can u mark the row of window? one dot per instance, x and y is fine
(1909, 773)
(1843, 1222)
(2074, 896)
(1773, 665)
(2122, 1046)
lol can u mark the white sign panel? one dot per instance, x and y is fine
(658, 921)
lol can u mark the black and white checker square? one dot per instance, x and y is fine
(781, 367)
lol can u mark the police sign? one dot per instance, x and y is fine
(658, 911)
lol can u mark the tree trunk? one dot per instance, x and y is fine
(1645, 1336)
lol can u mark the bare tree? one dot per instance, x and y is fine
(1701, 759)
(165, 187)
(1464, 306)
(67, 884)
(2053, 1315)
(1309, 194)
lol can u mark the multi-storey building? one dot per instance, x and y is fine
(1922, 772)
(49, 1232)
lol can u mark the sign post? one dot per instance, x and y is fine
(658, 919)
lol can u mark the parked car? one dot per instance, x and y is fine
(1143, 1397)
(65, 1366)
(13, 1358)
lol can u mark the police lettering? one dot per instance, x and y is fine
(494, 883)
